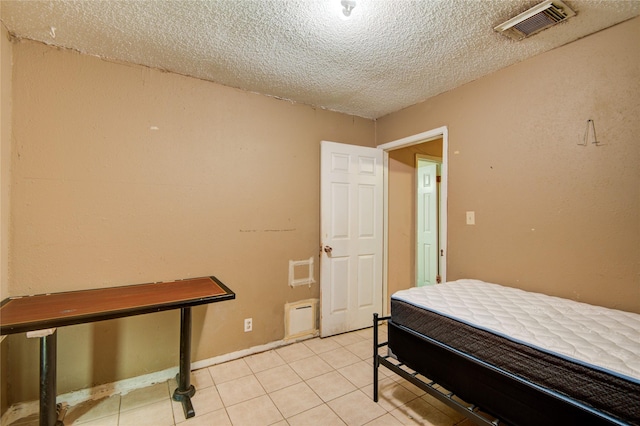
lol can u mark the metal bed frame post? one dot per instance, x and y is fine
(376, 359)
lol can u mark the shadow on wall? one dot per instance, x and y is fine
(105, 346)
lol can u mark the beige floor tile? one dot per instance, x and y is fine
(145, 396)
(420, 412)
(360, 373)
(111, 420)
(201, 378)
(294, 352)
(355, 409)
(457, 417)
(321, 415)
(240, 390)
(386, 420)
(256, 412)
(382, 380)
(330, 386)
(347, 339)
(391, 394)
(362, 349)
(214, 418)
(382, 335)
(295, 399)
(383, 351)
(366, 333)
(156, 414)
(311, 367)
(204, 401)
(264, 361)
(384, 371)
(277, 378)
(413, 388)
(319, 345)
(340, 357)
(92, 410)
(229, 371)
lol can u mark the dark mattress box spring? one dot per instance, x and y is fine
(594, 388)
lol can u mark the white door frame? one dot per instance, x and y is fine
(440, 132)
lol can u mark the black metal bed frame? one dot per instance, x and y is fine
(472, 412)
(425, 363)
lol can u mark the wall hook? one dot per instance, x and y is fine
(591, 129)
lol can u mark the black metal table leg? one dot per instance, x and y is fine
(48, 407)
(185, 389)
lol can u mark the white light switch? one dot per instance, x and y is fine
(471, 218)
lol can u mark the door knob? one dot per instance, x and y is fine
(328, 249)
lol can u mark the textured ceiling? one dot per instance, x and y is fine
(387, 56)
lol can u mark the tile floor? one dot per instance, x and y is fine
(315, 382)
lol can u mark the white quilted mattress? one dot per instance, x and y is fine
(599, 337)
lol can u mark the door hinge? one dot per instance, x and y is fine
(438, 179)
(438, 279)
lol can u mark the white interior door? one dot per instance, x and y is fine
(351, 228)
(427, 224)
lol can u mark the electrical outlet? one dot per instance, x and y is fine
(248, 324)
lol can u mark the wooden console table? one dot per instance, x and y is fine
(41, 314)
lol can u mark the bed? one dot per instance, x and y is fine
(521, 358)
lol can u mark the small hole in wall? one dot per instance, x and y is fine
(301, 271)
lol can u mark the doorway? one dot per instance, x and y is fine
(400, 255)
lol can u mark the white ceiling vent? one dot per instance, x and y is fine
(538, 18)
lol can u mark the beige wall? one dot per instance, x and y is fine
(551, 216)
(5, 179)
(123, 175)
(402, 214)
(5, 157)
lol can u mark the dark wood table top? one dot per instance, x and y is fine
(42, 311)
